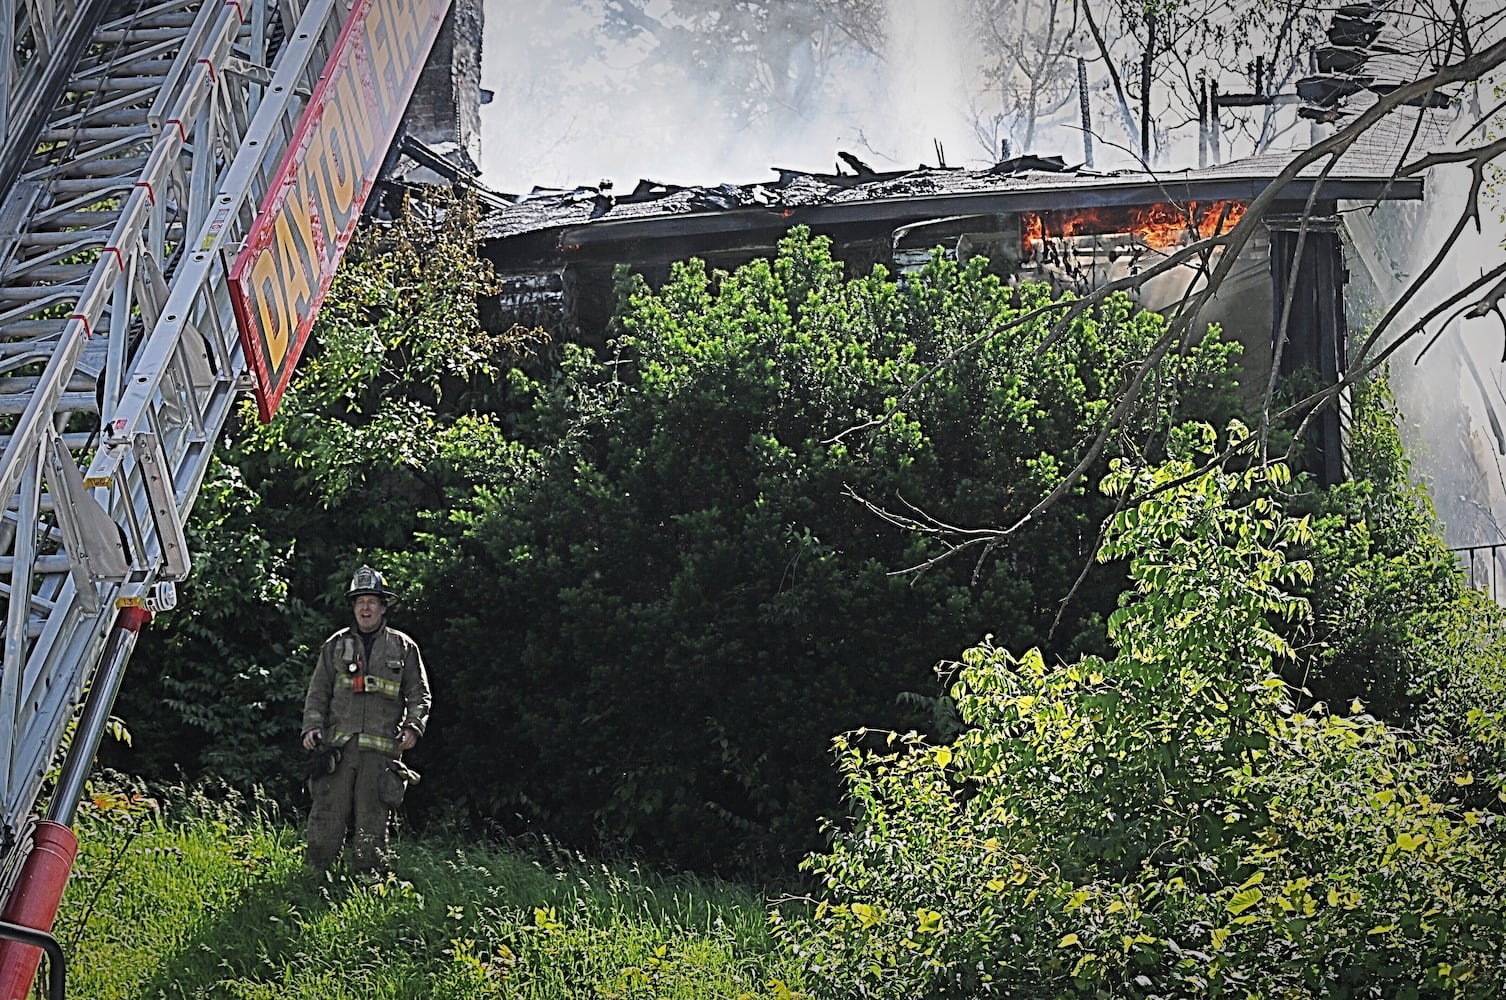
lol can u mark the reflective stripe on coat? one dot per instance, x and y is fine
(349, 696)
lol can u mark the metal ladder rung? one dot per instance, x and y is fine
(68, 402)
(24, 313)
(9, 513)
(43, 267)
(120, 113)
(36, 602)
(47, 294)
(43, 564)
(114, 36)
(25, 329)
(130, 55)
(67, 218)
(92, 185)
(100, 107)
(102, 81)
(163, 10)
(53, 274)
(64, 237)
(98, 133)
(26, 383)
(47, 532)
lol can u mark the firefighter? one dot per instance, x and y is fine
(368, 701)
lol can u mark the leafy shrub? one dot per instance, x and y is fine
(212, 686)
(1395, 622)
(643, 586)
(652, 619)
(1162, 823)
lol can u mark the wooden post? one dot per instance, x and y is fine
(1315, 334)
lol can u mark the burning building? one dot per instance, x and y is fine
(1033, 218)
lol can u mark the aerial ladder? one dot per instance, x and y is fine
(146, 145)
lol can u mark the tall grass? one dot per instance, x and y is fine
(217, 905)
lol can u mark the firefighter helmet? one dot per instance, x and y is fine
(369, 581)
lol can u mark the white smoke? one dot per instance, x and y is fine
(930, 81)
(573, 107)
(1451, 382)
(1449, 377)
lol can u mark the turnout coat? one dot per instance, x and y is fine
(367, 699)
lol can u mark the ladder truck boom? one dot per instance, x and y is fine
(147, 145)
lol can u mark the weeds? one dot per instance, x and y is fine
(217, 905)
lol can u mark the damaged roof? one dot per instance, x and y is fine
(563, 222)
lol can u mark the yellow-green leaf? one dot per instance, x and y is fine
(1408, 842)
(1067, 940)
(1242, 901)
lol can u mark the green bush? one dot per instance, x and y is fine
(1162, 823)
(653, 615)
(1394, 618)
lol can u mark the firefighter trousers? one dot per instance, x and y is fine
(348, 801)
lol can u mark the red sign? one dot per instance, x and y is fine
(314, 204)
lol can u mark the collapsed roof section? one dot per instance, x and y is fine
(656, 222)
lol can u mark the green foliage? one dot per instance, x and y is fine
(1394, 616)
(1162, 823)
(662, 602)
(379, 422)
(212, 686)
(643, 588)
(212, 902)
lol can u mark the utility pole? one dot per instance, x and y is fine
(1087, 111)
(1145, 66)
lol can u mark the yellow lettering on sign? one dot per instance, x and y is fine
(319, 257)
(410, 28)
(273, 322)
(349, 137)
(292, 252)
(381, 51)
(294, 263)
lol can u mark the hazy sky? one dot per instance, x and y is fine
(570, 110)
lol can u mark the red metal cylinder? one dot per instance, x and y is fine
(34, 903)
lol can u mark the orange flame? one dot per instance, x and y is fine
(1158, 226)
